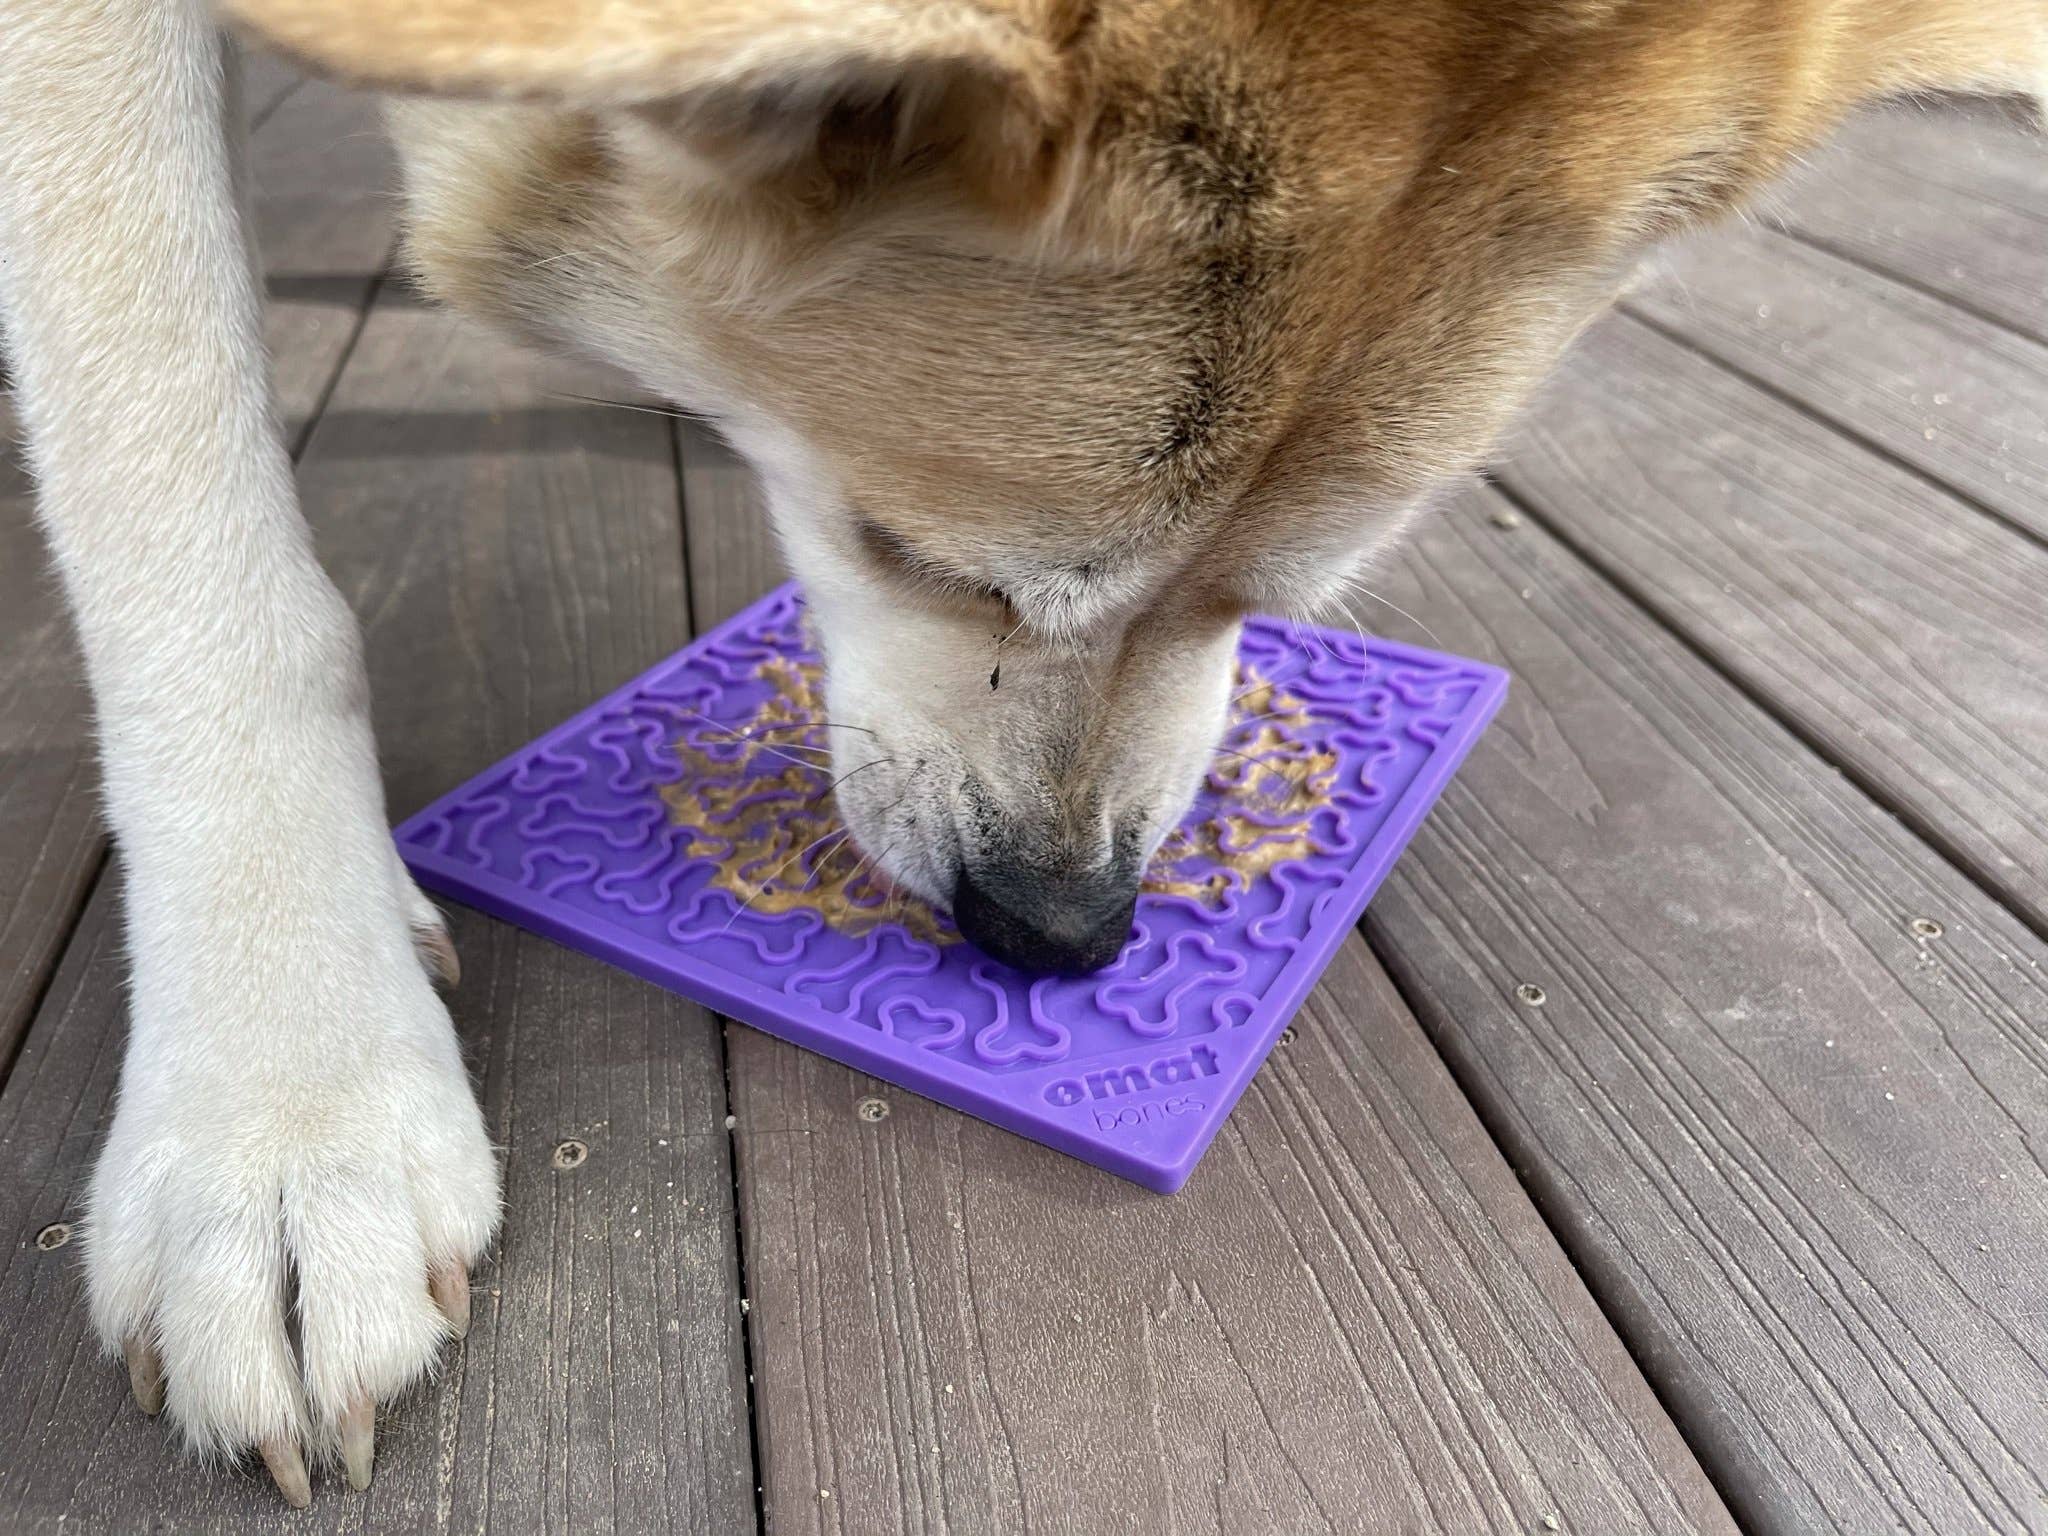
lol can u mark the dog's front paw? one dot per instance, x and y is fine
(296, 1182)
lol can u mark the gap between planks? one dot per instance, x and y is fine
(909, 1295)
(1886, 621)
(1700, 907)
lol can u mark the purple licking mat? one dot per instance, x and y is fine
(681, 829)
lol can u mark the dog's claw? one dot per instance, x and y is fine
(358, 1442)
(437, 954)
(448, 1284)
(288, 1471)
(145, 1373)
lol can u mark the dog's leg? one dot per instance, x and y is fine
(293, 1106)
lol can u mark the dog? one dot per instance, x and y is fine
(1061, 332)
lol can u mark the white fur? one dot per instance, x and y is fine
(912, 681)
(292, 1092)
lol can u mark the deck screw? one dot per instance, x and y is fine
(1531, 994)
(1286, 1036)
(872, 1110)
(1926, 928)
(1506, 517)
(54, 1236)
(570, 1154)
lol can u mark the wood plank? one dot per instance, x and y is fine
(1958, 398)
(1350, 1319)
(1792, 1142)
(734, 558)
(510, 559)
(325, 225)
(266, 81)
(1902, 629)
(1951, 197)
(50, 838)
(326, 222)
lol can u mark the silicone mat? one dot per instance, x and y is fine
(683, 829)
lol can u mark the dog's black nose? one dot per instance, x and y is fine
(1064, 926)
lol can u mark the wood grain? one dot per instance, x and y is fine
(733, 554)
(510, 559)
(1903, 629)
(1350, 1319)
(51, 844)
(1792, 1142)
(1782, 1096)
(325, 215)
(266, 81)
(1949, 196)
(1960, 399)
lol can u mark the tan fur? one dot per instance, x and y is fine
(1112, 318)
(1438, 192)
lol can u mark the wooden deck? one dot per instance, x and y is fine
(1742, 1223)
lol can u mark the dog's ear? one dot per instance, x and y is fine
(729, 57)
(752, 86)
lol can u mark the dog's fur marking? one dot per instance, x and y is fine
(1214, 150)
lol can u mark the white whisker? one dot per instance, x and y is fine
(677, 412)
(720, 725)
(1365, 591)
(819, 868)
(815, 725)
(862, 768)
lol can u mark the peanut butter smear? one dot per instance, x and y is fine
(757, 795)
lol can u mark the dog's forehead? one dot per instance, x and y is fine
(1076, 409)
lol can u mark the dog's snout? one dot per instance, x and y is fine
(1060, 924)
